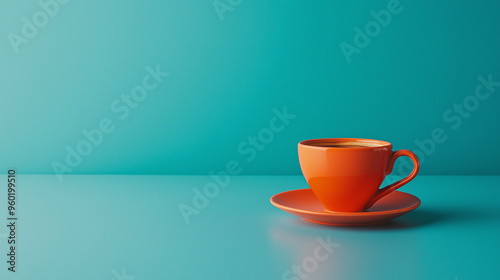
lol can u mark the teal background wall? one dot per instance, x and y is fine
(227, 76)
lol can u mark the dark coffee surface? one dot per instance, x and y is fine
(344, 144)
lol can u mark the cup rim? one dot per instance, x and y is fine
(310, 143)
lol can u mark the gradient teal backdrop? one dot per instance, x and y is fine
(229, 71)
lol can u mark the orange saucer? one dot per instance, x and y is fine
(303, 203)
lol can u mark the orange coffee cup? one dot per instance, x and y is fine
(345, 173)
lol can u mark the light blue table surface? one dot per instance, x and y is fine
(130, 227)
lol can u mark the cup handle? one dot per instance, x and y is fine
(394, 186)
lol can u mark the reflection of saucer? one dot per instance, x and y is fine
(303, 203)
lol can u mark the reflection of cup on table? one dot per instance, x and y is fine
(345, 173)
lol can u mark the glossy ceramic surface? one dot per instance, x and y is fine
(303, 203)
(348, 179)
